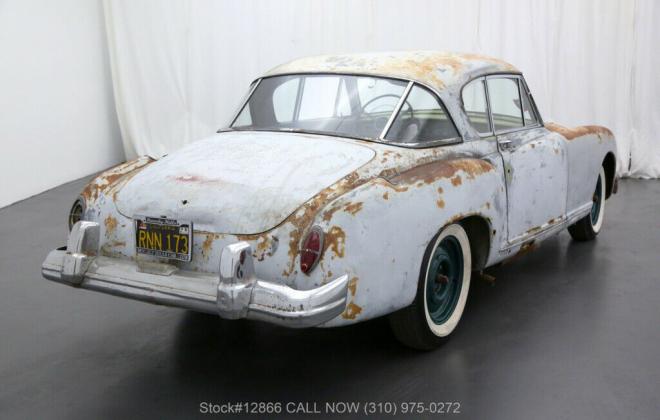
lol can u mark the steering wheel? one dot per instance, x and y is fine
(375, 120)
(385, 95)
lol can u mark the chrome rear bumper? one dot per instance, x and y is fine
(234, 293)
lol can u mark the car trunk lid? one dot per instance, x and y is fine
(240, 182)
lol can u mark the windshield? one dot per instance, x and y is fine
(345, 105)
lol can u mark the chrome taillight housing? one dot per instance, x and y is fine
(311, 249)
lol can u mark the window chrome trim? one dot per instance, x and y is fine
(395, 111)
(511, 130)
(532, 103)
(421, 144)
(245, 101)
(481, 79)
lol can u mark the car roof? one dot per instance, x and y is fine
(439, 70)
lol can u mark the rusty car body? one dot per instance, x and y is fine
(372, 202)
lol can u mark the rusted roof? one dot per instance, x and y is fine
(436, 69)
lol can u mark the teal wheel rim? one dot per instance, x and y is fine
(598, 199)
(444, 280)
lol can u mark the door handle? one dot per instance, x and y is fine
(505, 144)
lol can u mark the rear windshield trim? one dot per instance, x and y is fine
(381, 138)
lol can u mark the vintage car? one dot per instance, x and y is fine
(345, 188)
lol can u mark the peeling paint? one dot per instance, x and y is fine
(352, 285)
(437, 69)
(353, 208)
(352, 311)
(335, 240)
(302, 219)
(575, 132)
(207, 245)
(111, 178)
(433, 171)
(110, 225)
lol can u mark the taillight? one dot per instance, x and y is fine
(311, 249)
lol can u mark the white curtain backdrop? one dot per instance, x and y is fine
(181, 67)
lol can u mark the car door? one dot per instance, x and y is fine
(534, 160)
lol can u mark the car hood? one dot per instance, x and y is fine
(240, 182)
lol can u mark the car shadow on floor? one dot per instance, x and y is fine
(216, 360)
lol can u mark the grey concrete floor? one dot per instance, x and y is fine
(571, 330)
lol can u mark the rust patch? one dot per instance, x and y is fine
(440, 203)
(304, 216)
(353, 208)
(430, 172)
(527, 247)
(535, 229)
(111, 178)
(327, 215)
(434, 68)
(207, 245)
(575, 132)
(352, 285)
(488, 205)
(265, 245)
(249, 237)
(386, 195)
(456, 181)
(110, 225)
(440, 190)
(335, 239)
(352, 311)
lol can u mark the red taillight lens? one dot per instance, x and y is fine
(311, 250)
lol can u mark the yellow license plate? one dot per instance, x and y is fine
(163, 237)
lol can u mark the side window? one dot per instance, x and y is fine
(284, 100)
(421, 118)
(528, 111)
(505, 103)
(476, 107)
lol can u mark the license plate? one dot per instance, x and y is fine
(163, 238)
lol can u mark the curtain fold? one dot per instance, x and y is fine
(180, 68)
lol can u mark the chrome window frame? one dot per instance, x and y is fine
(381, 138)
(246, 99)
(523, 83)
(421, 144)
(481, 79)
(517, 76)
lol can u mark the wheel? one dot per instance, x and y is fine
(441, 292)
(588, 227)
